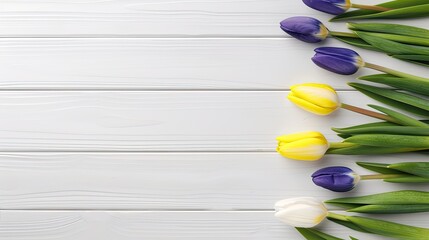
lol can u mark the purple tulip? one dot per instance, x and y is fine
(306, 29)
(337, 179)
(338, 60)
(335, 7)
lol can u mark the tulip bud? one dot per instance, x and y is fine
(309, 146)
(306, 29)
(337, 179)
(320, 99)
(334, 7)
(338, 60)
(305, 212)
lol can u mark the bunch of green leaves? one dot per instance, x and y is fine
(385, 203)
(400, 9)
(403, 42)
(405, 172)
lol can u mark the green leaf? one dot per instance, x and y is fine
(400, 118)
(391, 29)
(418, 59)
(396, 130)
(407, 179)
(411, 85)
(357, 42)
(392, 4)
(352, 238)
(390, 209)
(416, 168)
(392, 47)
(394, 98)
(417, 41)
(348, 224)
(390, 229)
(369, 150)
(403, 12)
(313, 234)
(405, 197)
(378, 167)
(388, 140)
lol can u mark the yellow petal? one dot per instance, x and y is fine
(301, 135)
(310, 107)
(321, 95)
(309, 149)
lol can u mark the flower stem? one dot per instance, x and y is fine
(368, 113)
(370, 7)
(343, 34)
(393, 72)
(337, 216)
(337, 145)
(380, 176)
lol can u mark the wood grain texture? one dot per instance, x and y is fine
(142, 18)
(169, 64)
(83, 225)
(158, 121)
(169, 181)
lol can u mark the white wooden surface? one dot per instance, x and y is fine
(156, 119)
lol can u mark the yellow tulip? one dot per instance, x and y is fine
(316, 98)
(309, 146)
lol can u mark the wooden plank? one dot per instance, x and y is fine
(158, 121)
(169, 181)
(154, 17)
(149, 64)
(22, 225)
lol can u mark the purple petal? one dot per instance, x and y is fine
(303, 28)
(334, 7)
(338, 179)
(338, 60)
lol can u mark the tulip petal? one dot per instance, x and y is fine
(334, 7)
(320, 94)
(309, 149)
(301, 135)
(306, 29)
(310, 107)
(338, 60)
(301, 212)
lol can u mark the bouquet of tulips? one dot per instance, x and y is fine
(401, 127)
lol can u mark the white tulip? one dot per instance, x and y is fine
(305, 212)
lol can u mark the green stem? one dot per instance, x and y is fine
(371, 7)
(337, 216)
(393, 72)
(343, 34)
(380, 176)
(368, 113)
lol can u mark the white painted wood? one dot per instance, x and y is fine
(158, 121)
(169, 181)
(136, 64)
(154, 17)
(83, 225)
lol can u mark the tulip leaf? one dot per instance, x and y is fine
(390, 209)
(348, 224)
(407, 179)
(390, 140)
(405, 197)
(390, 229)
(370, 150)
(352, 238)
(411, 85)
(378, 167)
(397, 130)
(399, 117)
(394, 98)
(390, 28)
(405, 11)
(392, 4)
(392, 47)
(418, 59)
(416, 168)
(418, 41)
(357, 42)
(313, 234)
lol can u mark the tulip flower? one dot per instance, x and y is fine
(316, 98)
(338, 60)
(305, 212)
(337, 7)
(337, 179)
(322, 99)
(306, 29)
(344, 179)
(308, 146)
